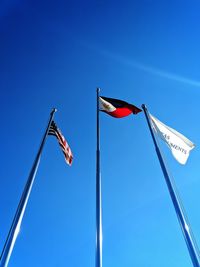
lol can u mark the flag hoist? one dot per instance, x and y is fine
(51, 129)
(180, 147)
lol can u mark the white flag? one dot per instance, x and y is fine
(178, 143)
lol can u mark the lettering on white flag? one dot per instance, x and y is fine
(179, 145)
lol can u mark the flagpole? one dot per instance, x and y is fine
(98, 195)
(15, 227)
(190, 242)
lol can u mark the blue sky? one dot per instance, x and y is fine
(55, 54)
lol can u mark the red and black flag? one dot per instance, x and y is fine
(117, 108)
(54, 130)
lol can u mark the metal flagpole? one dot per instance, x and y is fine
(15, 227)
(98, 195)
(190, 242)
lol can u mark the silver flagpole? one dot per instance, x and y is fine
(98, 195)
(15, 227)
(190, 242)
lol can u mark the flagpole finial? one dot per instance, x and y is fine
(144, 106)
(98, 89)
(53, 110)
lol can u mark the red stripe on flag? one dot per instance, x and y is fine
(120, 112)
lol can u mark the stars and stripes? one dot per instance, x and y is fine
(54, 130)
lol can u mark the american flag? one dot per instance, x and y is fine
(54, 130)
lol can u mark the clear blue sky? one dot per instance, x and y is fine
(55, 54)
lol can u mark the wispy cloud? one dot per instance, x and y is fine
(146, 68)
